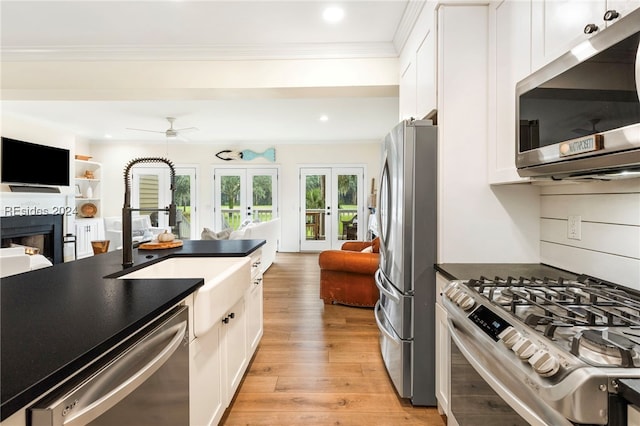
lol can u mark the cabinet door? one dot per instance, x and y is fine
(235, 346)
(254, 308)
(511, 44)
(442, 359)
(87, 230)
(443, 351)
(407, 93)
(206, 405)
(623, 7)
(558, 25)
(426, 76)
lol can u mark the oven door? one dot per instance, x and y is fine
(482, 394)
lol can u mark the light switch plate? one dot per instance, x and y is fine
(574, 227)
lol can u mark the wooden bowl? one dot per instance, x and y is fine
(88, 210)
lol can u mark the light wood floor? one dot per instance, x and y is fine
(317, 364)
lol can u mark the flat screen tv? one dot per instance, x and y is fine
(34, 164)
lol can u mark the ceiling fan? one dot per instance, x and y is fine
(585, 132)
(170, 133)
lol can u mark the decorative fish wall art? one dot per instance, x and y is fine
(246, 155)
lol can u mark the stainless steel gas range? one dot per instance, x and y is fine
(541, 351)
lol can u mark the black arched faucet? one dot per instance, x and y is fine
(127, 238)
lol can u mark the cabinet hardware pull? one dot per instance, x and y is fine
(590, 28)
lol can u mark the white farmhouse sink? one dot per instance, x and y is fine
(225, 281)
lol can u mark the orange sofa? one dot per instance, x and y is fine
(347, 275)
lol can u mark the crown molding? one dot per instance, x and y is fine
(199, 52)
(409, 18)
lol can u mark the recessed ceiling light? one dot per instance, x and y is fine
(333, 14)
(324, 118)
(108, 136)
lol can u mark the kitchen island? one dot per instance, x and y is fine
(57, 320)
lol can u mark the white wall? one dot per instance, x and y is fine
(115, 156)
(609, 247)
(31, 131)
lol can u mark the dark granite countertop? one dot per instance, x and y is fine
(467, 271)
(56, 320)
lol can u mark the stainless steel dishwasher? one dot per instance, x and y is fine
(143, 381)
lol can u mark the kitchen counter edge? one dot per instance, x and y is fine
(45, 309)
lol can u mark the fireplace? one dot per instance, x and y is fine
(43, 232)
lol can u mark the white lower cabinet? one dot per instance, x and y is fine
(218, 362)
(220, 357)
(234, 344)
(443, 377)
(254, 304)
(88, 230)
(205, 379)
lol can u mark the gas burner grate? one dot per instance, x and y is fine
(550, 303)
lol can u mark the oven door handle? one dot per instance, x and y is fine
(472, 353)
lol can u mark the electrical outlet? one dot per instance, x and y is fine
(574, 227)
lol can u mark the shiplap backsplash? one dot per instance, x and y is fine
(609, 247)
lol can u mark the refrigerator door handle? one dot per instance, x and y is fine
(381, 326)
(380, 281)
(384, 210)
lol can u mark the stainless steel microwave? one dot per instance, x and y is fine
(579, 116)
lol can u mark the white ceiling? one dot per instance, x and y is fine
(222, 30)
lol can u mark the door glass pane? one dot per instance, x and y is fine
(315, 203)
(230, 201)
(148, 198)
(347, 207)
(262, 197)
(183, 206)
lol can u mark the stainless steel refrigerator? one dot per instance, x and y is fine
(407, 217)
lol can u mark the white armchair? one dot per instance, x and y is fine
(141, 230)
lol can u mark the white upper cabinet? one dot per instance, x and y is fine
(426, 76)
(510, 62)
(558, 25)
(622, 7)
(418, 67)
(408, 92)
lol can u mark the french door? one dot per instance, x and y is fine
(151, 188)
(332, 204)
(244, 194)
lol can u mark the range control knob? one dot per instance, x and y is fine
(466, 302)
(544, 363)
(510, 336)
(451, 291)
(459, 296)
(524, 348)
